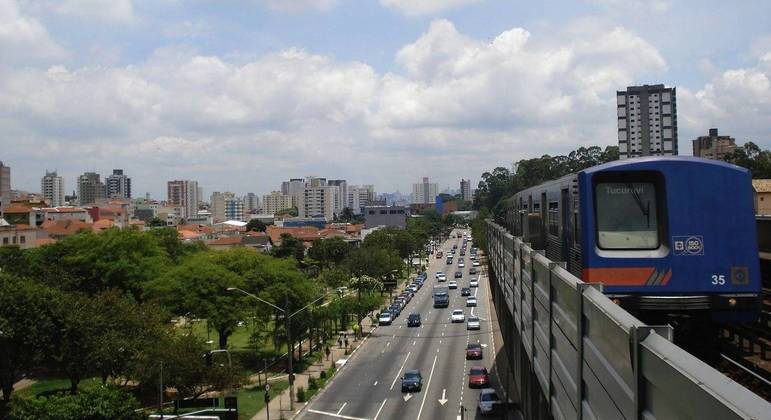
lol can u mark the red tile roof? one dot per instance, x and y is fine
(17, 208)
(64, 227)
(306, 233)
(226, 240)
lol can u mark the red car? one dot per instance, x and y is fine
(473, 351)
(478, 377)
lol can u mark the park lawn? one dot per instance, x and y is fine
(55, 384)
(252, 400)
(239, 340)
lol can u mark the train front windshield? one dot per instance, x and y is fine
(626, 215)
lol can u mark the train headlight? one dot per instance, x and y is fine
(732, 302)
(617, 301)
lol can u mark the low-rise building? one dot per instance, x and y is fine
(386, 216)
(713, 146)
(21, 235)
(762, 189)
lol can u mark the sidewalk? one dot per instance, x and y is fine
(279, 406)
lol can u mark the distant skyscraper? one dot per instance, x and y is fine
(5, 185)
(341, 193)
(647, 121)
(90, 188)
(293, 188)
(713, 146)
(251, 202)
(52, 188)
(465, 189)
(360, 196)
(118, 185)
(184, 194)
(425, 193)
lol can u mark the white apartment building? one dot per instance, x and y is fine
(317, 201)
(52, 188)
(118, 185)
(341, 193)
(425, 192)
(647, 121)
(218, 205)
(275, 201)
(360, 196)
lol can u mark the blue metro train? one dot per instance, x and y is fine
(664, 235)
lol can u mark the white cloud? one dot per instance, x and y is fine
(23, 37)
(301, 5)
(658, 6)
(117, 11)
(424, 7)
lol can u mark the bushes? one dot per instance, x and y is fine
(301, 394)
(92, 404)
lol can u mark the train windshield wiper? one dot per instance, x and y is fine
(645, 209)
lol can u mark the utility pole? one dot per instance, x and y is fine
(290, 346)
(160, 392)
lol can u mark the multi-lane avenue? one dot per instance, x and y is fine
(368, 386)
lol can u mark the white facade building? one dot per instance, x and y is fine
(52, 188)
(647, 121)
(425, 192)
(317, 201)
(360, 196)
(275, 201)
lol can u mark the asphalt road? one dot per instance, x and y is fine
(368, 386)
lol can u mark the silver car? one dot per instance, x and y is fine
(489, 402)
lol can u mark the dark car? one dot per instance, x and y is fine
(413, 320)
(395, 310)
(473, 351)
(412, 381)
(458, 274)
(465, 291)
(478, 377)
(472, 270)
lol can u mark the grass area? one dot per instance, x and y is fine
(53, 385)
(252, 400)
(317, 384)
(239, 340)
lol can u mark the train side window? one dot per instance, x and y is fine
(626, 214)
(553, 216)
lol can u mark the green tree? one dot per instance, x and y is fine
(156, 222)
(256, 225)
(100, 403)
(752, 157)
(27, 323)
(199, 286)
(329, 252)
(289, 247)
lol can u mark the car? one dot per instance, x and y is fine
(406, 296)
(413, 320)
(438, 255)
(452, 284)
(473, 270)
(474, 351)
(449, 261)
(457, 315)
(461, 264)
(465, 291)
(489, 403)
(395, 310)
(412, 381)
(442, 278)
(385, 318)
(475, 263)
(439, 273)
(452, 251)
(462, 252)
(474, 282)
(455, 246)
(471, 301)
(478, 377)
(473, 323)
(458, 274)
(413, 288)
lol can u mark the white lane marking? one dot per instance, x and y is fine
(414, 341)
(400, 371)
(375, 384)
(400, 327)
(428, 385)
(380, 409)
(325, 413)
(388, 344)
(341, 408)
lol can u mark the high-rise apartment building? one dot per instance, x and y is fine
(52, 188)
(118, 185)
(234, 209)
(5, 185)
(341, 193)
(465, 189)
(293, 188)
(251, 203)
(90, 188)
(647, 121)
(425, 192)
(317, 200)
(218, 206)
(184, 194)
(713, 146)
(275, 201)
(360, 196)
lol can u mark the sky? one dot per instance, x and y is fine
(241, 95)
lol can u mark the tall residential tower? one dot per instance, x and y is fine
(52, 188)
(647, 121)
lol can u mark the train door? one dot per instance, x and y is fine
(565, 232)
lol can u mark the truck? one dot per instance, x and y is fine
(441, 296)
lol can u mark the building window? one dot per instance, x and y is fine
(13, 240)
(5, 241)
(383, 211)
(372, 212)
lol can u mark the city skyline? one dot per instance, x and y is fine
(181, 90)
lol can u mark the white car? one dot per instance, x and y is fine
(441, 277)
(461, 264)
(475, 263)
(457, 315)
(385, 318)
(473, 323)
(439, 273)
(473, 283)
(471, 301)
(452, 284)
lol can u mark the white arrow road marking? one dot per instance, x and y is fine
(400, 371)
(425, 392)
(407, 397)
(443, 400)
